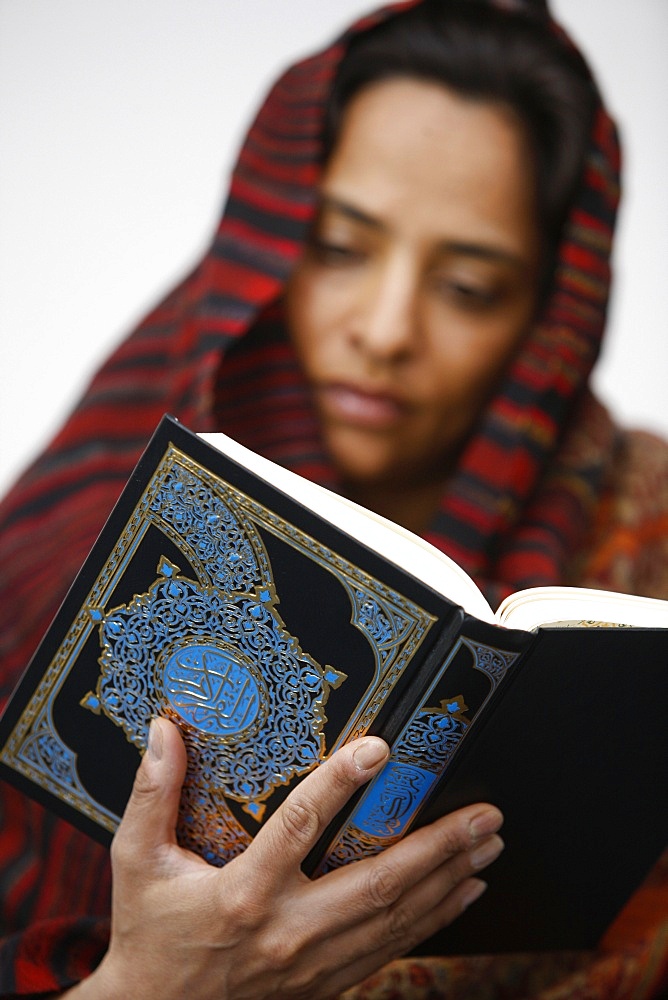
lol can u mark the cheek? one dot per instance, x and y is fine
(316, 316)
(304, 311)
(468, 363)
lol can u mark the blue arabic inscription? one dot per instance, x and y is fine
(212, 689)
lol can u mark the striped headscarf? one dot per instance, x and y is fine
(215, 354)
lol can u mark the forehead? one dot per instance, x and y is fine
(429, 163)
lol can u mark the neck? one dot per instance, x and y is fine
(412, 507)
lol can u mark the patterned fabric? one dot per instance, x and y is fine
(627, 550)
(547, 491)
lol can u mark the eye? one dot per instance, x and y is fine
(475, 293)
(335, 253)
(469, 294)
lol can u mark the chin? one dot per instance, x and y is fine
(374, 461)
(363, 465)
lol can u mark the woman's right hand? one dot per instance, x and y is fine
(258, 927)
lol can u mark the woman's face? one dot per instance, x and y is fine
(419, 281)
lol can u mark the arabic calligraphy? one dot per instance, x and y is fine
(212, 690)
(392, 799)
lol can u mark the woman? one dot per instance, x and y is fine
(416, 330)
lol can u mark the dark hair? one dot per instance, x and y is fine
(491, 54)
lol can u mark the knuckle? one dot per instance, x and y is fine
(280, 951)
(244, 906)
(400, 927)
(240, 912)
(451, 840)
(301, 980)
(300, 821)
(384, 885)
(123, 854)
(343, 773)
(276, 951)
(118, 848)
(145, 783)
(302, 986)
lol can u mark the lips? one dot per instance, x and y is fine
(361, 407)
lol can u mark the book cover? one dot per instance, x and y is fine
(271, 637)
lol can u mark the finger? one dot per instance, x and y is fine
(461, 837)
(360, 890)
(361, 948)
(149, 820)
(373, 908)
(359, 968)
(426, 908)
(288, 836)
(435, 900)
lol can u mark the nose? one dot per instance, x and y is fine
(385, 326)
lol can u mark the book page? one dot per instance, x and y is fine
(395, 543)
(564, 606)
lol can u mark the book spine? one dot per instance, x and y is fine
(463, 683)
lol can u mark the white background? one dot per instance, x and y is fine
(119, 120)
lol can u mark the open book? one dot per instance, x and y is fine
(526, 609)
(273, 621)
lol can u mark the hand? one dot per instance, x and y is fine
(258, 927)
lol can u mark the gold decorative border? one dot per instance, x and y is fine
(390, 662)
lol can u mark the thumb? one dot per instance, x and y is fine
(150, 816)
(289, 834)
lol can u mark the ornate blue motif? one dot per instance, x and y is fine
(210, 530)
(45, 750)
(212, 689)
(433, 735)
(212, 653)
(419, 757)
(393, 798)
(250, 703)
(393, 625)
(491, 661)
(390, 804)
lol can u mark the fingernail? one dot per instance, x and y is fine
(370, 753)
(473, 891)
(154, 748)
(484, 824)
(486, 852)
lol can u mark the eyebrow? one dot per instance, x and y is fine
(481, 251)
(463, 248)
(327, 202)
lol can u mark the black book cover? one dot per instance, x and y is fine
(271, 638)
(267, 634)
(575, 755)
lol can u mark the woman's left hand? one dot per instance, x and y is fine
(258, 927)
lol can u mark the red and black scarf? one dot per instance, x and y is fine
(215, 355)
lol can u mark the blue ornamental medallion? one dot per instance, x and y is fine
(179, 618)
(212, 689)
(213, 655)
(249, 702)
